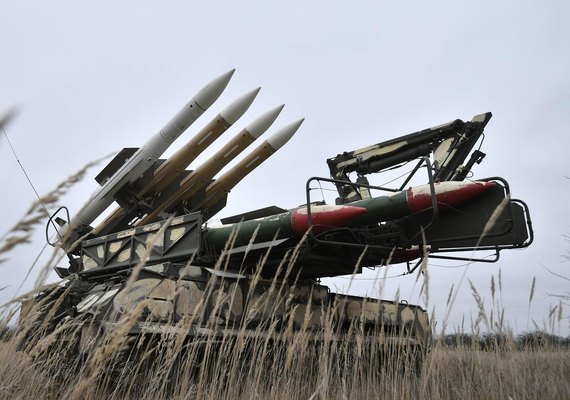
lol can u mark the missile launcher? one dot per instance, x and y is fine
(160, 253)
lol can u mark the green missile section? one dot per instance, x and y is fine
(293, 223)
(265, 230)
(383, 208)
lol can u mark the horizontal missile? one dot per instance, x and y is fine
(202, 175)
(294, 223)
(147, 155)
(174, 166)
(216, 190)
(416, 199)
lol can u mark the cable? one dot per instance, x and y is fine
(398, 177)
(24, 171)
(27, 177)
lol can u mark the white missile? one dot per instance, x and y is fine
(144, 158)
(174, 165)
(222, 185)
(202, 175)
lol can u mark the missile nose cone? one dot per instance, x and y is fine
(210, 93)
(282, 136)
(264, 121)
(235, 110)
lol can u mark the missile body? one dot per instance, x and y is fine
(148, 154)
(174, 166)
(294, 223)
(202, 175)
(217, 189)
(413, 200)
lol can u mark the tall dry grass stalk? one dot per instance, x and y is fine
(486, 229)
(530, 297)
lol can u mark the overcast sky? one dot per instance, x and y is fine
(93, 77)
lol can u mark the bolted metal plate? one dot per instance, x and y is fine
(178, 241)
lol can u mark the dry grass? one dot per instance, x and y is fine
(301, 371)
(241, 360)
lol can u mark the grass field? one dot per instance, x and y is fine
(299, 372)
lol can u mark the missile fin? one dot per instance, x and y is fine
(115, 164)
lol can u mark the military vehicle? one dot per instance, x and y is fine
(157, 265)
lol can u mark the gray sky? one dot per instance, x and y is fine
(93, 77)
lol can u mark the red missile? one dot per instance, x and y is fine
(408, 202)
(450, 193)
(324, 217)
